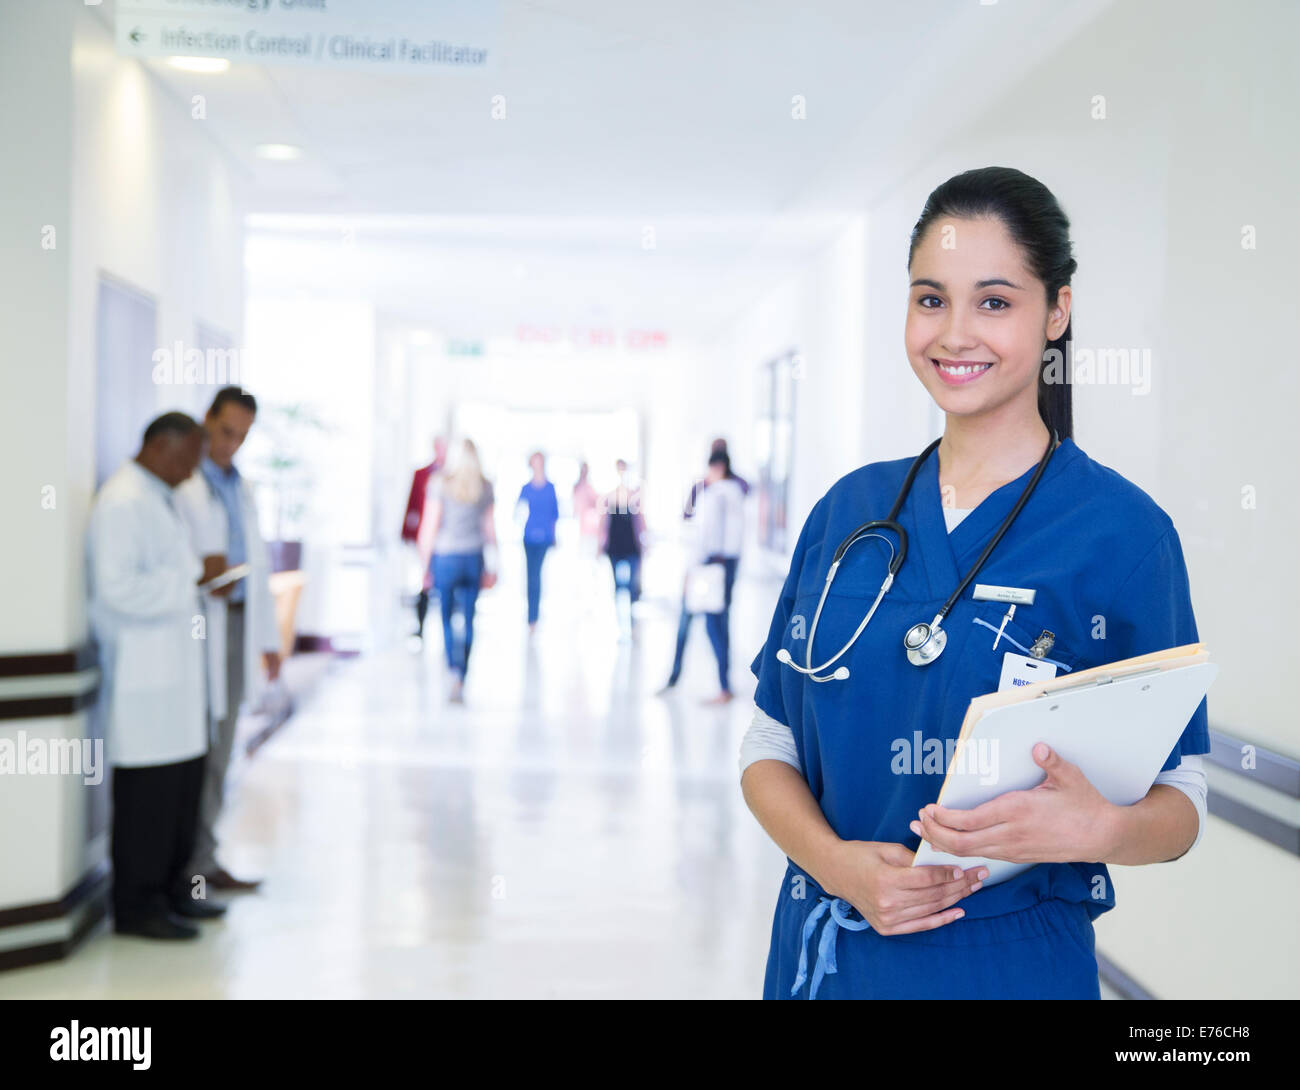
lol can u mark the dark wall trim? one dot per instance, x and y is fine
(49, 662)
(52, 910)
(38, 707)
(1119, 981)
(1247, 818)
(90, 895)
(1271, 769)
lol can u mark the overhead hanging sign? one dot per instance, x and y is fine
(375, 35)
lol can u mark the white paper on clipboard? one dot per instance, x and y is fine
(230, 575)
(1118, 723)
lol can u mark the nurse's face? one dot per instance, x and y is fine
(977, 319)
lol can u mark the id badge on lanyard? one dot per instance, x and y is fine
(1018, 670)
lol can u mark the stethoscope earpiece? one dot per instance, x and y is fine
(841, 672)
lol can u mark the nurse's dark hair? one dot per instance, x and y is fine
(1034, 219)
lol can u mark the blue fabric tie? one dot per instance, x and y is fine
(826, 944)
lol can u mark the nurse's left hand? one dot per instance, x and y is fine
(1062, 820)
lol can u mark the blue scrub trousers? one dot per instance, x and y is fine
(1045, 951)
(456, 577)
(534, 554)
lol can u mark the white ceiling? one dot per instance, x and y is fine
(672, 114)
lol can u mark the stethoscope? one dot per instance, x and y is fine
(923, 642)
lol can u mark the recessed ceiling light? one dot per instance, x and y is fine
(211, 65)
(280, 152)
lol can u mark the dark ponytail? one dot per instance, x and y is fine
(1035, 221)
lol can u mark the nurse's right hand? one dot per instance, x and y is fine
(878, 879)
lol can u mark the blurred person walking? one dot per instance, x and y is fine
(460, 516)
(622, 539)
(220, 511)
(539, 531)
(142, 576)
(586, 506)
(412, 521)
(719, 532)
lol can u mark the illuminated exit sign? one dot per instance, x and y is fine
(602, 337)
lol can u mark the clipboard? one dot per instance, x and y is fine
(1117, 722)
(230, 575)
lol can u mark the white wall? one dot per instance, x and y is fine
(155, 203)
(1196, 144)
(37, 583)
(134, 188)
(818, 311)
(35, 67)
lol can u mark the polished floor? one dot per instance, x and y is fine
(566, 833)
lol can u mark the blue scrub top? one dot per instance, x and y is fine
(1111, 583)
(543, 512)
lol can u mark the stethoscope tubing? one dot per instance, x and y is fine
(867, 529)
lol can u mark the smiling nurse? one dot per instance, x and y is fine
(1008, 495)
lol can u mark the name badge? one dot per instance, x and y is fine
(986, 592)
(1018, 670)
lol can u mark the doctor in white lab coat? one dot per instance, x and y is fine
(218, 506)
(142, 578)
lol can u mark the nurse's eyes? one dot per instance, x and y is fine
(1002, 304)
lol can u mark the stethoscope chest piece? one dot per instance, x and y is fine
(924, 642)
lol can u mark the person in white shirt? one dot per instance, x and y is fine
(144, 612)
(719, 518)
(242, 640)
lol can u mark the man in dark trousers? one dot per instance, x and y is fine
(144, 612)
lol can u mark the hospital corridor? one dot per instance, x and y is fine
(413, 849)
(511, 500)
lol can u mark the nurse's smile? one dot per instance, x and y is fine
(960, 372)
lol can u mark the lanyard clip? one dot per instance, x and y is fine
(1043, 644)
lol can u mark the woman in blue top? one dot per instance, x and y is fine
(539, 530)
(988, 323)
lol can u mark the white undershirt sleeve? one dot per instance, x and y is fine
(768, 739)
(1189, 778)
